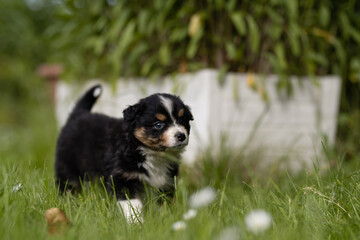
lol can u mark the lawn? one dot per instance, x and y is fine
(320, 204)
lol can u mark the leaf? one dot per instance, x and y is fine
(230, 5)
(168, 5)
(101, 23)
(280, 55)
(274, 31)
(324, 34)
(64, 13)
(160, 20)
(345, 25)
(125, 39)
(292, 9)
(294, 37)
(116, 63)
(324, 16)
(164, 54)
(146, 67)
(118, 25)
(96, 8)
(178, 34)
(254, 35)
(143, 18)
(274, 16)
(310, 66)
(235, 87)
(354, 74)
(231, 50)
(318, 58)
(275, 2)
(355, 64)
(194, 44)
(99, 46)
(194, 25)
(355, 34)
(314, 80)
(136, 53)
(95, 44)
(239, 23)
(273, 62)
(219, 4)
(295, 45)
(222, 74)
(340, 52)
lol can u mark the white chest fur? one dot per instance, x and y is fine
(158, 169)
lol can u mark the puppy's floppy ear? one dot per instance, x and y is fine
(188, 113)
(131, 112)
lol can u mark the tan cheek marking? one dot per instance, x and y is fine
(140, 135)
(160, 116)
(164, 139)
(181, 112)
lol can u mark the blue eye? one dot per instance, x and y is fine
(159, 125)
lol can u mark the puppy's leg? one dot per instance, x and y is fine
(127, 193)
(131, 210)
(66, 185)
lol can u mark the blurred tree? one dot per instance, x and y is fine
(23, 47)
(146, 38)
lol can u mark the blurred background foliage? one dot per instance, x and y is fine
(23, 47)
(113, 38)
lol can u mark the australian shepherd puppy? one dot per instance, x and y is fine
(143, 146)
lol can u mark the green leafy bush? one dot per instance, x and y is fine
(147, 38)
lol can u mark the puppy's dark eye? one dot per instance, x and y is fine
(159, 125)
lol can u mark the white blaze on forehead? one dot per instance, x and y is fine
(174, 128)
(168, 105)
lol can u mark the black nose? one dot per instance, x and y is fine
(180, 137)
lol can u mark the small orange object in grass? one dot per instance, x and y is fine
(57, 221)
(194, 25)
(250, 80)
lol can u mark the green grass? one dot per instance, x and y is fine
(321, 204)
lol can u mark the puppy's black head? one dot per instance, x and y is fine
(160, 122)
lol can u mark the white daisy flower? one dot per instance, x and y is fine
(16, 188)
(190, 214)
(202, 197)
(178, 226)
(258, 221)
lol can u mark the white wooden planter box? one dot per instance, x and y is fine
(286, 127)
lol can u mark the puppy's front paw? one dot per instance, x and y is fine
(131, 210)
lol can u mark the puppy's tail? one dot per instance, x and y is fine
(86, 102)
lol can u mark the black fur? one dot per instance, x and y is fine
(93, 145)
